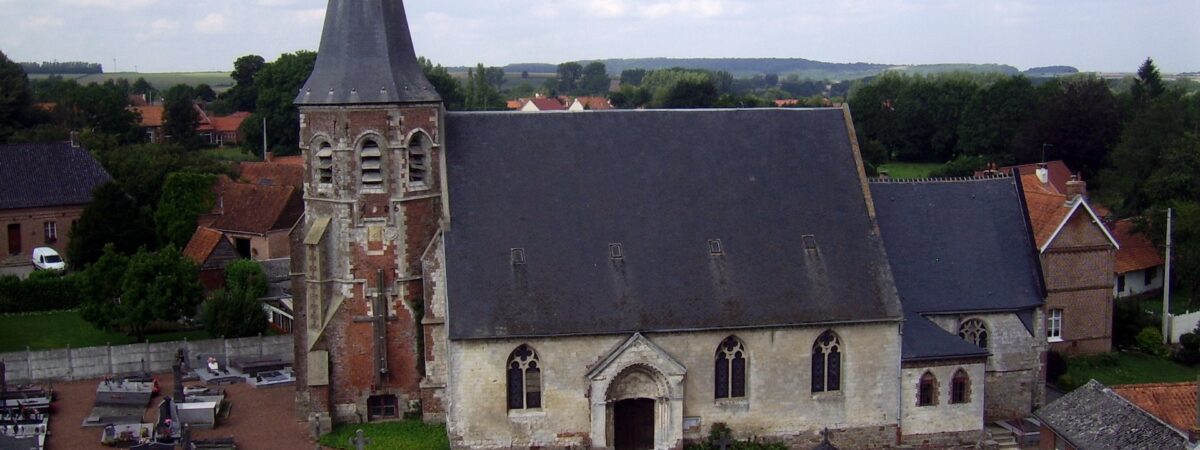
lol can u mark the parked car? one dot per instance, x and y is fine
(45, 258)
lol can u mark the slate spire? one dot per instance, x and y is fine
(366, 56)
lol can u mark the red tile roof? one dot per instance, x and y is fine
(1047, 209)
(202, 245)
(1173, 403)
(1059, 174)
(546, 104)
(787, 102)
(229, 123)
(1137, 252)
(274, 173)
(595, 103)
(255, 209)
(152, 115)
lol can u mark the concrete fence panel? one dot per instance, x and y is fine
(95, 362)
(1183, 323)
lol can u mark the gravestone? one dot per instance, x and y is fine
(3, 383)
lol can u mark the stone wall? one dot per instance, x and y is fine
(96, 362)
(778, 405)
(1014, 370)
(921, 423)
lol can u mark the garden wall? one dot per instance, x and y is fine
(95, 362)
(1181, 324)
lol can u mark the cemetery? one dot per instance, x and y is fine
(24, 415)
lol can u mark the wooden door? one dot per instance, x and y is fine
(14, 239)
(633, 424)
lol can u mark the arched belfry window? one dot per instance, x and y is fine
(418, 161)
(524, 379)
(729, 371)
(927, 394)
(960, 387)
(372, 164)
(975, 332)
(827, 363)
(325, 163)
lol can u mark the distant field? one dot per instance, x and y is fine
(62, 329)
(161, 81)
(908, 171)
(513, 79)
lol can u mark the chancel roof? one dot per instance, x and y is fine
(634, 221)
(959, 246)
(366, 56)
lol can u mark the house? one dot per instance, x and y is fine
(278, 301)
(1134, 417)
(531, 294)
(151, 121)
(1139, 264)
(1057, 173)
(590, 104)
(542, 104)
(211, 252)
(212, 130)
(43, 191)
(226, 130)
(276, 171)
(1077, 253)
(255, 218)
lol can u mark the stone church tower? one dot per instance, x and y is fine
(370, 131)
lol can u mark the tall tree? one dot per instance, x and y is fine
(180, 117)
(100, 288)
(243, 96)
(14, 97)
(185, 196)
(205, 92)
(444, 83)
(162, 285)
(1157, 160)
(594, 79)
(690, 92)
(569, 74)
(236, 311)
(1080, 121)
(994, 115)
(100, 109)
(481, 94)
(113, 217)
(1148, 85)
(633, 77)
(278, 83)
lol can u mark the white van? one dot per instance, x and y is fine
(45, 258)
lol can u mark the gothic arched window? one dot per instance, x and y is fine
(960, 387)
(418, 161)
(729, 371)
(524, 379)
(372, 164)
(975, 332)
(927, 390)
(325, 164)
(827, 363)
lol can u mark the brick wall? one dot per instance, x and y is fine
(1078, 267)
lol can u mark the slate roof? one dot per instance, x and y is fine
(959, 246)
(662, 184)
(924, 340)
(1093, 417)
(1173, 403)
(366, 56)
(256, 209)
(1136, 252)
(44, 175)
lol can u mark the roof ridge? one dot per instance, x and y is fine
(935, 179)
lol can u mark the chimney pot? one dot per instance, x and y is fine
(1076, 188)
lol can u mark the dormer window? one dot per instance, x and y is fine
(418, 161)
(372, 165)
(325, 164)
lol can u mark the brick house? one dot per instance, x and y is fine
(1077, 253)
(43, 191)
(255, 218)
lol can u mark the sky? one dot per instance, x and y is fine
(208, 35)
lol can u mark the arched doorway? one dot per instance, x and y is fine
(635, 404)
(637, 397)
(633, 424)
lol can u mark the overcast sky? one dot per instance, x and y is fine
(182, 35)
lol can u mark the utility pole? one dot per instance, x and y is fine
(1167, 286)
(264, 137)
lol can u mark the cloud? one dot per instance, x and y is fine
(606, 8)
(117, 4)
(308, 16)
(211, 24)
(701, 8)
(39, 23)
(159, 28)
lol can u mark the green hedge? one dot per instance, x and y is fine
(42, 291)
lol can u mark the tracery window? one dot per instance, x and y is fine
(418, 161)
(975, 332)
(729, 371)
(927, 390)
(325, 164)
(524, 379)
(372, 164)
(960, 387)
(827, 363)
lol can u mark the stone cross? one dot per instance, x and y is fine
(723, 442)
(825, 434)
(359, 441)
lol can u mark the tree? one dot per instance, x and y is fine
(100, 288)
(205, 92)
(180, 118)
(994, 116)
(1079, 118)
(1157, 159)
(633, 77)
(100, 109)
(237, 311)
(113, 218)
(142, 87)
(1148, 85)
(569, 75)
(243, 96)
(444, 83)
(185, 196)
(594, 79)
(162, 285)
(771, 79)
(481, 94)
(689, 92)
(15, 97)
(278, 83)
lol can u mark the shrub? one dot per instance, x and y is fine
(42, 291)
(1189, 353)
(720, 429)
(1128, 320)
(1150, 341)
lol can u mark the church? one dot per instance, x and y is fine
(629, 279)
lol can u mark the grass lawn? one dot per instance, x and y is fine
(161, 81)
(1125, 368)
(903, 170)
(408, 435)
(60, 329)
(235, 154)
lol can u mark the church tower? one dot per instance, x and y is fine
(370, 132)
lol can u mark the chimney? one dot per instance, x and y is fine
(1076, 188)
(74, 139)
(1043, 173)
